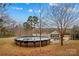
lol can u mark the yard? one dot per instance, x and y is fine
(8, 48)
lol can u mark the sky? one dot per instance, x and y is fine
(21, 11)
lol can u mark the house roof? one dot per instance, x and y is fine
(54, 32)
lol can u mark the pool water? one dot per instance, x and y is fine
(32, 38)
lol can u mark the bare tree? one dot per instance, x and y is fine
(62, 15)
(5, 20)
(3, 7)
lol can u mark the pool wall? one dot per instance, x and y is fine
(32, 43)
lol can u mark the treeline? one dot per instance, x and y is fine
(6, 23)
(7, 33)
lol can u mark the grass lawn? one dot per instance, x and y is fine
(8, 48)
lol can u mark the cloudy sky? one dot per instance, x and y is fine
(21, 11)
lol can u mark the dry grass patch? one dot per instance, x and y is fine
(7, 47)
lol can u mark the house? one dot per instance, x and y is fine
(54, 35)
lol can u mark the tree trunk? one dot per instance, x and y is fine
(61, 33)
(61, 40)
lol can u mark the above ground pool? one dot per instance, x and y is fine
(32, 41)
